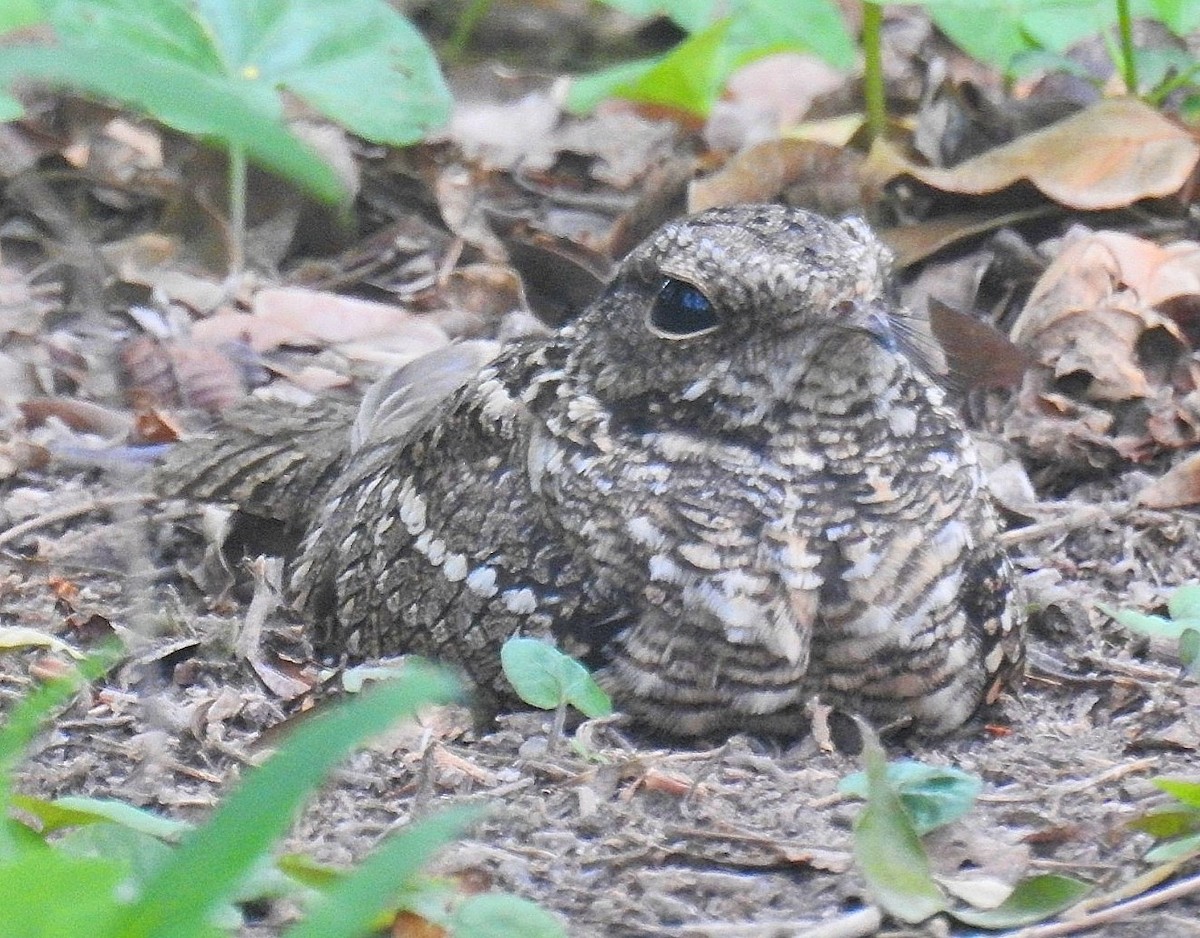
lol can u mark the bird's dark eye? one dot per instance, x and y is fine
(681, 311)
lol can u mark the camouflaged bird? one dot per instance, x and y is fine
(725, 484)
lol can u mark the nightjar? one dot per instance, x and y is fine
(726, 484)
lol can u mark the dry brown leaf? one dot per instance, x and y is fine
(1092, 308)
(760, 173)
(1110, 155)
(298, 317)
(784, 85)
(1178, 487)
(916, 242)
(171, 372)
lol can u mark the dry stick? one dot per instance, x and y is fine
(17, 531)
(1079, 518)
(1116, 913)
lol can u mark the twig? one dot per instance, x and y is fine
(17, 531)
(1119, 912)
(1081, 517)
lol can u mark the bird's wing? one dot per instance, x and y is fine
(434, 543)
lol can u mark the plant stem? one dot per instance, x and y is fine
(556, 729)
(873, 69)
(237, 210)
(465, 27)
(1125, 29)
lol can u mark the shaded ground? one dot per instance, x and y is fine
(647, 839)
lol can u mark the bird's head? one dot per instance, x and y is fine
(735, 308)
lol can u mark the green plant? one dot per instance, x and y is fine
(1181, 624)
(216, 69)
(690, 76)
(1021, 34)
(907, 799)
(106, 869)
(545, 678)
(1176, 826)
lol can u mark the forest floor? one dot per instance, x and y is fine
(729, 838)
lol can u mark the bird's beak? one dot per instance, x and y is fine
(870, 317)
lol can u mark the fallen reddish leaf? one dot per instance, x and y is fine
(153, 426)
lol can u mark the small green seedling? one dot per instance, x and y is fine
(893, 860)
(1181, 624)
(1177, 827)
(545, 678)
(217, 69)
(931, 795)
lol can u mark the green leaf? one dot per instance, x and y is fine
(1189, 650)
(215, 68)
(689, 77)
(931, 795)
(353, 905)
(50, 894)
(210, 863)
(1180, 16)
(817, 26)
(1168, 823)
(180, 98)
(587, 91)
(366, 68)
(77, 811)
(501, 916)
(887, 849)
(1185, 603)
(1033, 900)
(1183, 791)
(544, 677)
(15, 14)
(1153, 626)
(1174, 850)
(1018, 26)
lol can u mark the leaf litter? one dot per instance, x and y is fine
(1092, 407)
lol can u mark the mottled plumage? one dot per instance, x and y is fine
(724, 483)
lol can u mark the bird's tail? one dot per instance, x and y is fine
(269, 460)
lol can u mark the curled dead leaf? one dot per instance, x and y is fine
(1178, 487)
(1109, 155)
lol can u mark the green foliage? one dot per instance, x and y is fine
(1177, 826)
(888, 849)
(1021, 35)
(545, 678)
(892, 859)
(690, 76)
(107, 869)
(215, 68)
(499, 916)
(930, 795)
(1181, 624)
